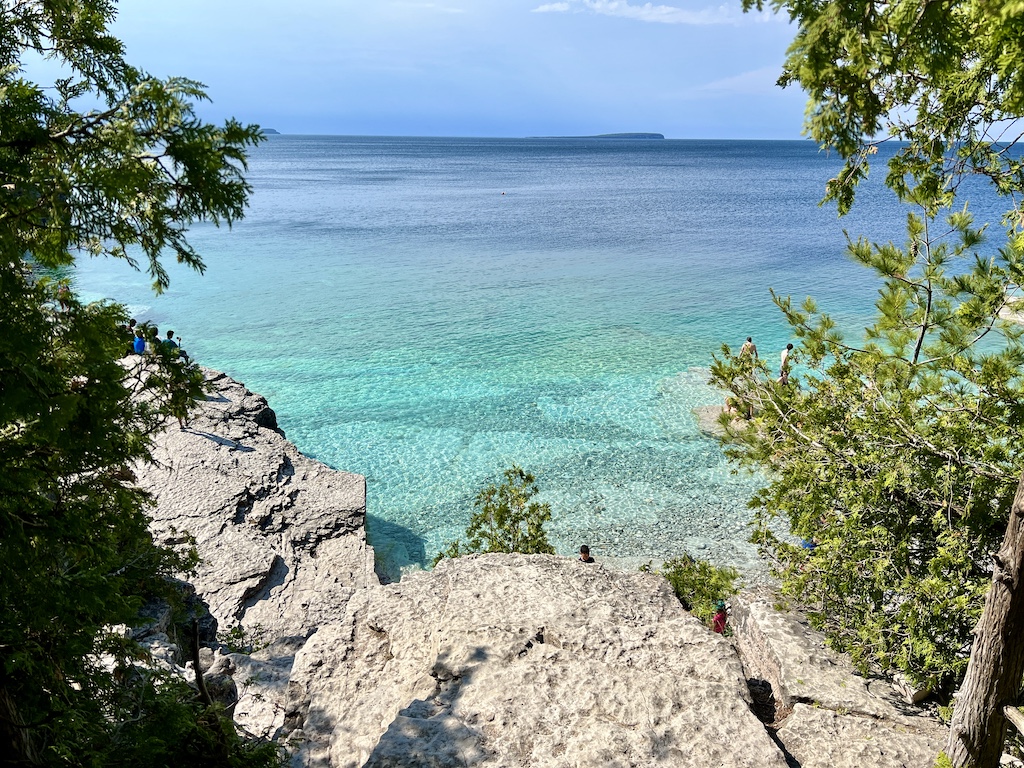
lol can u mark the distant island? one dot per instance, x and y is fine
(271, 132)
(607, 136)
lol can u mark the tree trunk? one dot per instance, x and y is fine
(997, 657)
(16, 739)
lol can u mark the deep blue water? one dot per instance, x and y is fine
(428, 311)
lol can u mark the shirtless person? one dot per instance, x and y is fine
(749, 348)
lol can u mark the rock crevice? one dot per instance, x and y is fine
(824, 712)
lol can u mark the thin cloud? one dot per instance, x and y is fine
(656, 14)
(755, 82)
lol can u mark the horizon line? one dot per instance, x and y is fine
(604, 137)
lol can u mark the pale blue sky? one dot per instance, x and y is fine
(685, 68)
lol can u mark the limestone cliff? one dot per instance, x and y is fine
(489, 660)
(281, 536)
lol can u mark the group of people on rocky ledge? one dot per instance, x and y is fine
(144, 339)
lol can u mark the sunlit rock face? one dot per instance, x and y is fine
(281, 536)
(488, 660)
(523, 660)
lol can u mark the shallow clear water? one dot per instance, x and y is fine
(428, 311)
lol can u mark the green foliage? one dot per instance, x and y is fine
(897, 454)
(189, 732)
(699, 585)
(174, 383)
(239, 639)
(136, 172)
(899, 457)
(946, 78)
(78, 559)
(506, 520)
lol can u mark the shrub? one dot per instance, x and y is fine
(699, 585)
(506, 520)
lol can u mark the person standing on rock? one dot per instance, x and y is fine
(585, 555)
(749, 348)
(784, 364)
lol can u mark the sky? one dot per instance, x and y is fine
(506, 68)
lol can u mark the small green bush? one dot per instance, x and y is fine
(699, 585)
(506, 520)
(238, 639)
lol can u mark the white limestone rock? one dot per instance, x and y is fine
(513, 660)
(262, 680)
(822, 738)
(833, 717)
(281, 536)
(780, 648)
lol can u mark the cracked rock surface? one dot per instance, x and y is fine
(281, 536)
(832, 717)
(514, 660)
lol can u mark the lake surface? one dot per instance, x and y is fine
(427, 312)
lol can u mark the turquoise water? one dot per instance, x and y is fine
(428, 311)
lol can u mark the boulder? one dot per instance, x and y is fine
(262, 679)
(515, 660)
(826, 713)
(220, 683)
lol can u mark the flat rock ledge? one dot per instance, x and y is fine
(516, 660)
(488, 660)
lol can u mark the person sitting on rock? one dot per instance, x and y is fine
(171, 344)
(127, 331)
(721, 616)
(585, 555)
(139, 345)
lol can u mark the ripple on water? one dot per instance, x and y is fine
(408, 322)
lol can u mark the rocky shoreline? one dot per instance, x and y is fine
(490, 660)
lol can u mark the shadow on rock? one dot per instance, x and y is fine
(395, 547)
(233, 445)
(427, 733)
